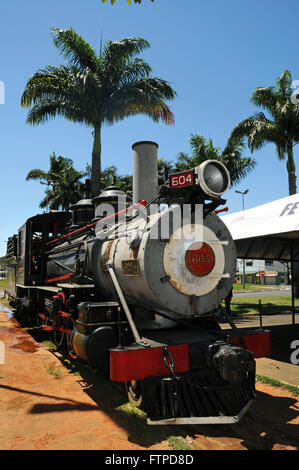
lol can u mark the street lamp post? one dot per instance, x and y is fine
(243, 194)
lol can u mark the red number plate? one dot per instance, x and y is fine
(180, 180)
(200, 259)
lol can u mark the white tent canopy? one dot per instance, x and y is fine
(269, 231)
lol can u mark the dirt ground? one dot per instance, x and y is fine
(47, 402)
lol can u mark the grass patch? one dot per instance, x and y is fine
(54, 370)
(149, 435)
(178, 443)
(2, 283)
(76, 367)
(50, 345)
(251, 287)
(137, 426)
(276, 383)
(270, 305)
(131, 411)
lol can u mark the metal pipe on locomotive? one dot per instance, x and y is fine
(132, 289)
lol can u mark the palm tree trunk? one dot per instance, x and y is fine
(291, 171)
(96, 163)
(292, 183)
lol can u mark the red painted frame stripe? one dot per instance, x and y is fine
(42, 316)
(63, 314)
(47, 328)
(259, 344)
(126, 365)
(60, 278)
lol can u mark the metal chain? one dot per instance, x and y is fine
(170, 365)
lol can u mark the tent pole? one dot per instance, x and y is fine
(292, 285)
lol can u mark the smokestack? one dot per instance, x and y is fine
(145, 171)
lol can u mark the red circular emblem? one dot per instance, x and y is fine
(200, 259)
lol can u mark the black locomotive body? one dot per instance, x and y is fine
(138, 305)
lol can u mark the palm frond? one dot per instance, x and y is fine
(237, 164)
(37, 174)
(232, 156)
(119, 52)
(50, 82)
(265, 98)
(146, 96)
(64, 183)
(75, 49)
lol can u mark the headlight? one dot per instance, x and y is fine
(213, 178)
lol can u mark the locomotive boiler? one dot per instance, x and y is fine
(132, 288)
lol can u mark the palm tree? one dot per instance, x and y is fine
(232, 156)
(97, 89)
(234, 160)
(125, 183)
(165, 167)
(67, 188)
(280, 126)
(110, 177)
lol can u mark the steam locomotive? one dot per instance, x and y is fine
(132, 288)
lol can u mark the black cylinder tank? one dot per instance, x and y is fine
(83, 212)
(94, 347)
(110, 201)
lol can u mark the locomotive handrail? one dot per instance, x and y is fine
(125, 307)
(134, 206)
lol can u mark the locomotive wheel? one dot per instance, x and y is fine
(22, 315)
(19, 314)
(134, 392)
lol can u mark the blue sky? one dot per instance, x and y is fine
(214, 54)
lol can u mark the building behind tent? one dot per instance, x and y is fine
(277, 273)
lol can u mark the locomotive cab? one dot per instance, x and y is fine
(26, 251)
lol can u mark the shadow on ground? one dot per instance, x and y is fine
(267, 424)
